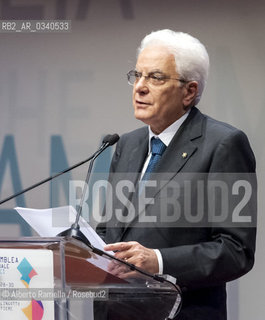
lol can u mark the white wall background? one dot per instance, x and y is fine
(74, 85)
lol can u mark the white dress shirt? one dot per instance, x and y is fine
(165, 136)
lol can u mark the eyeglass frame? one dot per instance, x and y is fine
(149, 76)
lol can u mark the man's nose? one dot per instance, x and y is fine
(141, 85)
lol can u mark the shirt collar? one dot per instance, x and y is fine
(167, 135)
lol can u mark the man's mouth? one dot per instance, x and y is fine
(142, 103)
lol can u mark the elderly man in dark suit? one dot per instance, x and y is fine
(169, 78)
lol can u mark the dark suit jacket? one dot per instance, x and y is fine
(205, 256)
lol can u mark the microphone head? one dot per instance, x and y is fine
(111, 139)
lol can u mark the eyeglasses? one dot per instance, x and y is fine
(155, 78)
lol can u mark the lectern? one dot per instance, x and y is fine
(64, 279)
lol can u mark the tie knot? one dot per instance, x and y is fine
(157, 146)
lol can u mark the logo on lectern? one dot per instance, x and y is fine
(26, 271)
(35, 310)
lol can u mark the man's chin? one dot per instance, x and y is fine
(142, 116)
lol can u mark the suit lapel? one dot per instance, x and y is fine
(180, 150)
(135, 160)
(178, 153)
(137, 157)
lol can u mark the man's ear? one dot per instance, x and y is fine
(191, 91)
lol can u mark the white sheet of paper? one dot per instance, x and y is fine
(50, 222)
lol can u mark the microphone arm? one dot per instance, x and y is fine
(45, 180)
(104, 145)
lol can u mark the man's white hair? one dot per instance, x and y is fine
(191, 57)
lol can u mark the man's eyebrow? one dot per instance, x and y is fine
(157, 71)
(152, 71)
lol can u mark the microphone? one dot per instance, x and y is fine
(75, 231)
(111, 139)
(108, 140)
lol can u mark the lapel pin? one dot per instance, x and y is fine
(184, 155)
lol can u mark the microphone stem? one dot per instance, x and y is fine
(103, 147)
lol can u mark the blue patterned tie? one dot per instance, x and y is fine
(157, 147)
